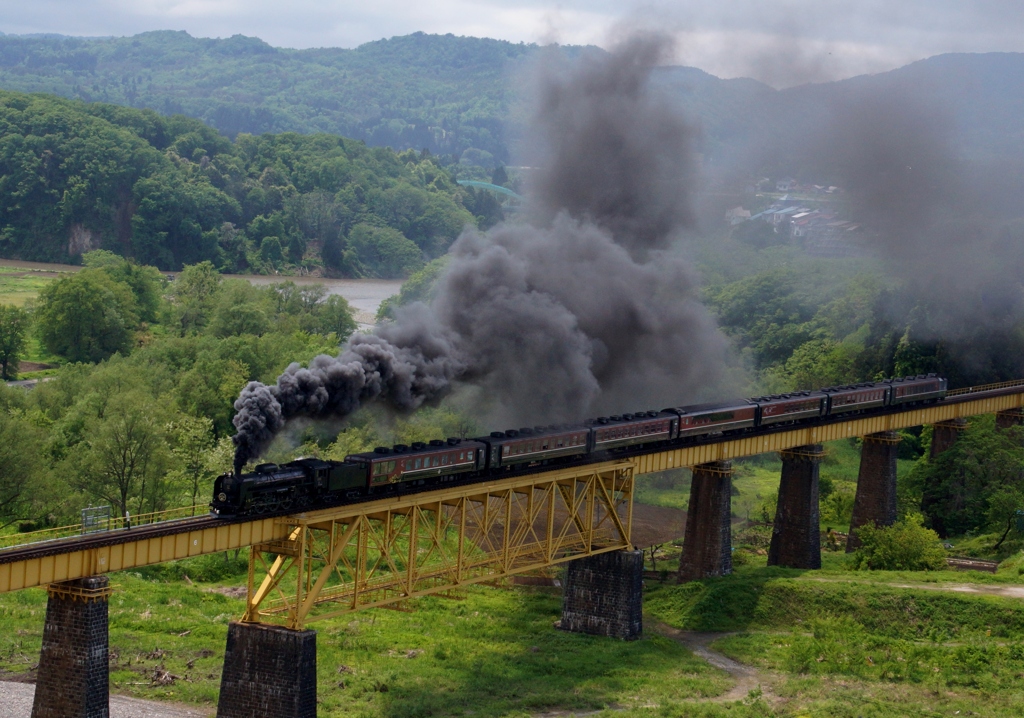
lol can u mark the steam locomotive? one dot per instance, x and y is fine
(307, 483)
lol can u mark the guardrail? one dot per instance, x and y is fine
(114, 523)
(986, 387)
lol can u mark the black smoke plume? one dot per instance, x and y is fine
(581, 310)
(944, 219)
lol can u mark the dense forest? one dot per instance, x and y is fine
(445, 94)
(170, 191)
(459, 96)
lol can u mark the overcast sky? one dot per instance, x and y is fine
(780, 41)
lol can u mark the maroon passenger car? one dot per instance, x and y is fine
(790, 407)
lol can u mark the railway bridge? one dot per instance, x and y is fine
(310, 566)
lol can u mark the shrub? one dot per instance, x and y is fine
(905, 546)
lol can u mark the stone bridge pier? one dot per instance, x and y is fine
(875, 501)
(268, 671)
(1010, 418)
(796, 535)
(945, 434)
(74, 669)
(603, 595)
(707, 544)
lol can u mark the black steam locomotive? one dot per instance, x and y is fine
(307, 483)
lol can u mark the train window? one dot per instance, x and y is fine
(418, 464)
(391, 466)
(444, 460)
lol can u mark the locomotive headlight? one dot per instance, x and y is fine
(222, 496)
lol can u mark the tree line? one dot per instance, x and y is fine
(139, 415)
(171, 191)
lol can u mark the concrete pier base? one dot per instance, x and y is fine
(796, 535)
(875, 502)
(603, 595)
(707, 544)
(73, 678)
(268, 671)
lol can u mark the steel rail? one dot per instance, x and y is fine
(676, 454)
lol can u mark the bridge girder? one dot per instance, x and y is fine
(343, 560)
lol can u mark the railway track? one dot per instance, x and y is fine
(198, 523)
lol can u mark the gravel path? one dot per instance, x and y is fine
(747, 678)
(16, 702)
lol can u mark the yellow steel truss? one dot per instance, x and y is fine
(349, 558)
(67, 560)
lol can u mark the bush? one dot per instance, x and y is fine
(905, 546)
(385, 252)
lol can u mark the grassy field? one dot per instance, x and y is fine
(495, 653)
(827, 643)
(19, 285)
(863, 647)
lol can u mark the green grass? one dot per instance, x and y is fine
(19, 285)
(495, 653)
(856, 643)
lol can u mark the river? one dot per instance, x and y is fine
(364, 295)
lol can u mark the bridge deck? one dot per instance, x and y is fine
(46, 562)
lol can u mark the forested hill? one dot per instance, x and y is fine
(170, 191)
(443, 93)
(457, 95)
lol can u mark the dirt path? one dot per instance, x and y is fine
(747, 678)
(974, 588)
(16, 702)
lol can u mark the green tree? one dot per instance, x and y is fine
(125, 455)
(194, 295)
(271, 251)
(240, 309)
(193, 439)
(13, 326)
(332, 315)
(419, 287)
(21, 469)
(1004, 511)
(957, 487)
(146, 283)
(87, 317)
(385, 252)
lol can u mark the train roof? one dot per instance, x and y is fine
(854, 387)
(637, 416)
(713, 406)
(805, 394)
(416, 448)
(527, 431)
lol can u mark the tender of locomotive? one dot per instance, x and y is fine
(296, 485)
(308, 483)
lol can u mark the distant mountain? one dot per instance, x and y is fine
(458, 95)
(444, 93)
